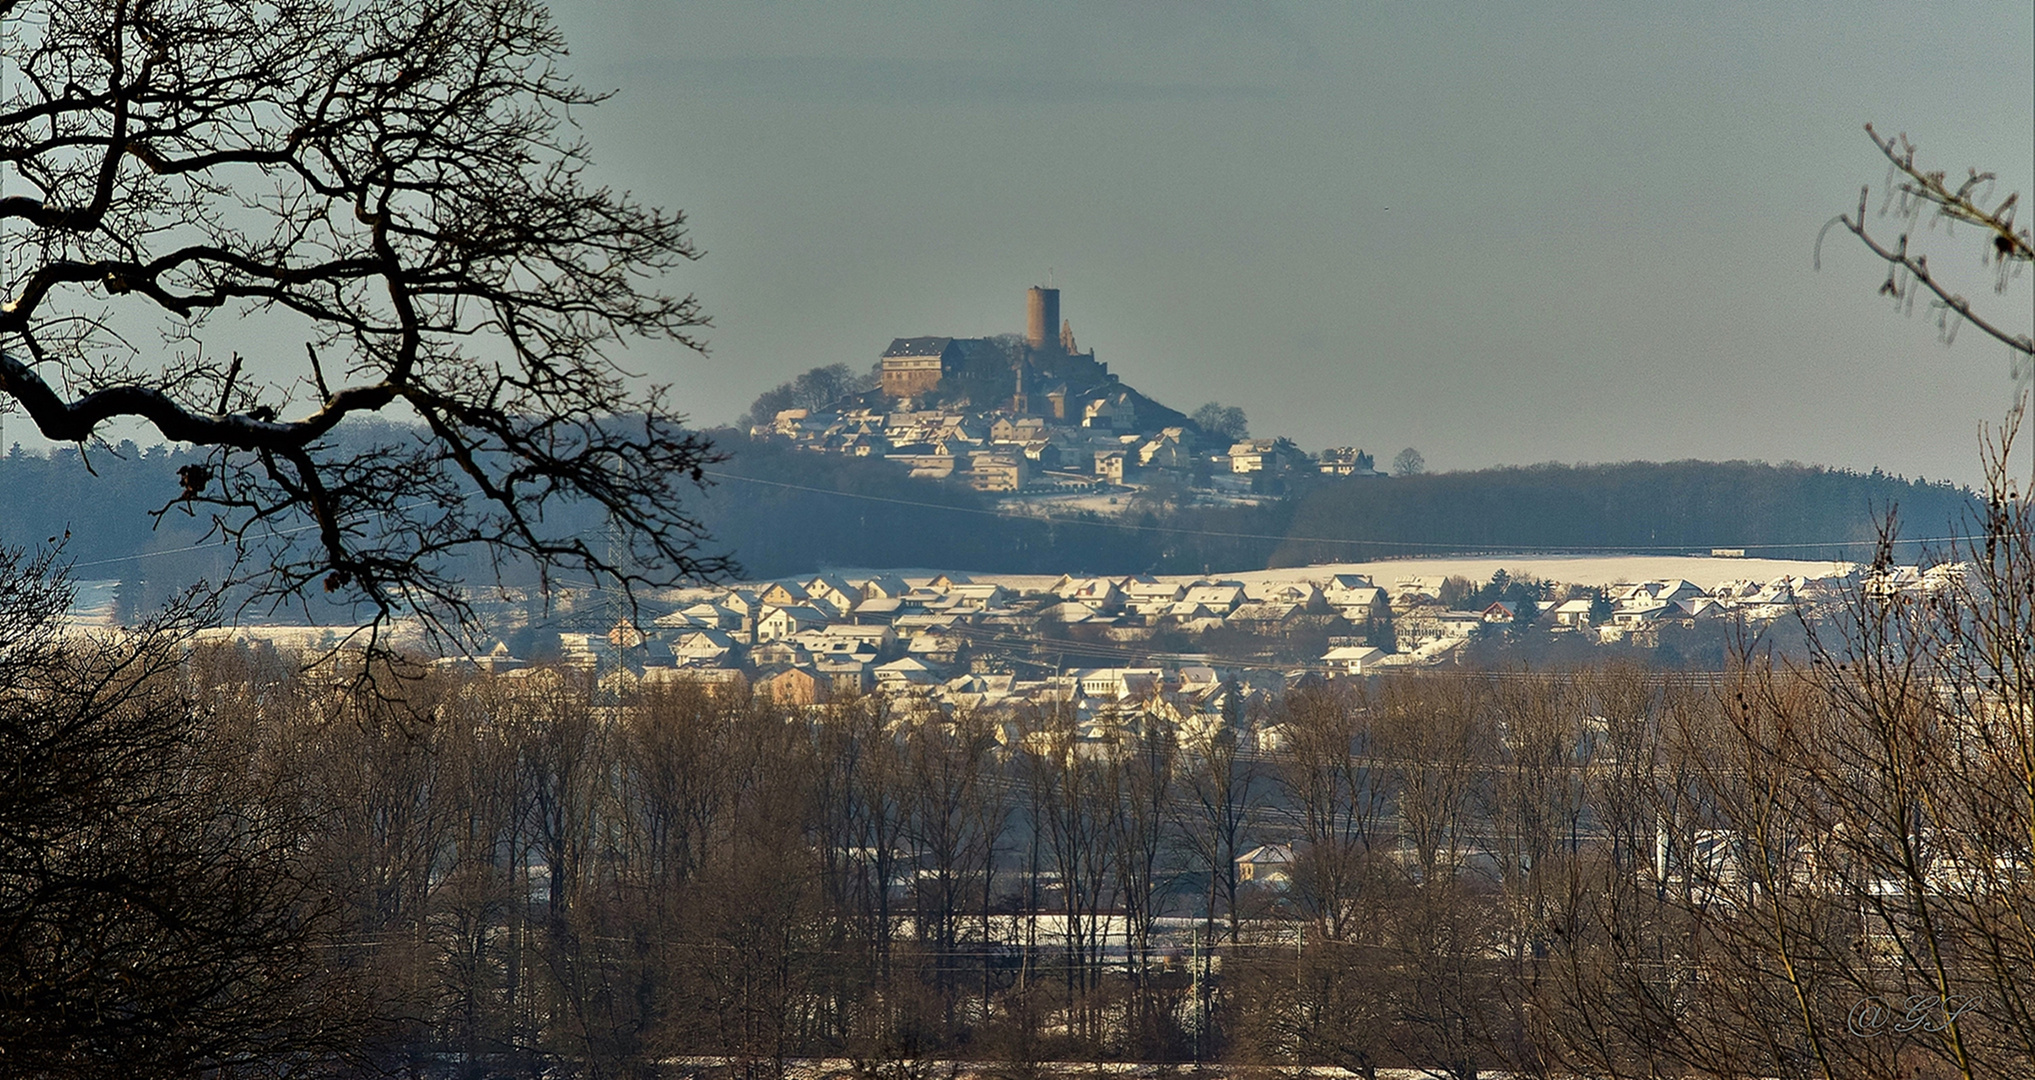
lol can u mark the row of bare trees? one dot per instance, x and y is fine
(213, 860)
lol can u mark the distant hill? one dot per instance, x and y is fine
(1685, 506)
(784, 512)
(1777, 511)
(96, 506)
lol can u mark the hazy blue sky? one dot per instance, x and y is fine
(1501, 233)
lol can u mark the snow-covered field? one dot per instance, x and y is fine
(1703, 571)
(1700, 570)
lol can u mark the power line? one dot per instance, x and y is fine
(205, 545)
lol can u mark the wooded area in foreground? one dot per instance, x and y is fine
(218, 862)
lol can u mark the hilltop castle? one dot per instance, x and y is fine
(1039, 374)
(1032, 412)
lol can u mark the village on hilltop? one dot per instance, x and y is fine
(1036, 415)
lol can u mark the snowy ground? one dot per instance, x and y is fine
(92, 603)
(1108, 503)
(1703, 571)
(1700, 570)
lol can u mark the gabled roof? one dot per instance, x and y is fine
(1148, 587)
(976, 591)
(885, 585)
(1267, 855)
(1225, 595)
(701, 614)
(917, 346)
(830, 583)
(799, 614)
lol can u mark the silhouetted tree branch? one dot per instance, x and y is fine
(245, 225)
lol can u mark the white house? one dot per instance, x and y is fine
(1573, 614)
(835, 591)
(783, 622)
(1351, 659)
(885, 587)
(703, 648)
(1647, 594)
(783, 594)
(1097, 594)
(1306, 594)
(1352, 590)
(908, 672)
(1119, 684)
(1632, 615)
(1220, 597)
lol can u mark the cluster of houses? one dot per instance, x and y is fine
(961, 642)
(990, 451)
(1429, 632)
(998, 452)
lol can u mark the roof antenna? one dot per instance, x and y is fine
(1049, 278)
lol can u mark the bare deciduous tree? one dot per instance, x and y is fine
(244, 225)
(157, 914)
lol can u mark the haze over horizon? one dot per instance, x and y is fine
(1574, 232)
(1502, 235)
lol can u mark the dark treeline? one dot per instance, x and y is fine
(1690, 506)
(1773, 511)
(1603, 872)
(98, 498)
(784, 512)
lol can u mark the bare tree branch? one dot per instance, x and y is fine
(2008, 248)
(396, 184)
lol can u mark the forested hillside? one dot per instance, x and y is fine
(783, 512)
(1777, 511)
(95, 509)
(841, 511)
